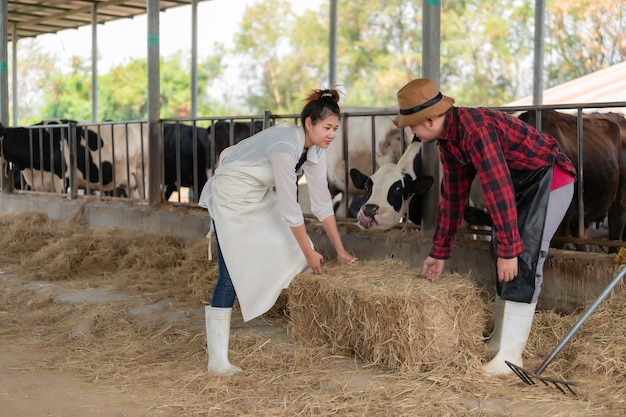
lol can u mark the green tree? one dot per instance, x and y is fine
(35, 69)
(68, 96)
(486, 58)
(122, 92)
(176, 85)
(486, 50)
(379, 48)
(263, 42)
(583, 37)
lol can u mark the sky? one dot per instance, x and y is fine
(124, 40)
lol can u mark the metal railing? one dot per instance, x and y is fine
(69, 152)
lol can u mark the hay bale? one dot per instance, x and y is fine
(385, 313)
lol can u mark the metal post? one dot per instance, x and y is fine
(4, 85)
(431, 54)
(332, 46)
(540, 6)
(579, 184)
(94, 62)
(194, 58)
(14, 75)
(154, 106)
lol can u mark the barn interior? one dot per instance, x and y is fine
(572, 280)
(565, 270)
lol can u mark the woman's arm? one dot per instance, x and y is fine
(313, 258)
(330, 226)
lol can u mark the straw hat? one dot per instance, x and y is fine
(419, 100)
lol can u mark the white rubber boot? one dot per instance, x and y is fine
(217, 334)
(493, 346)
(517, 320)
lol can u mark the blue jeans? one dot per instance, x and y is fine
(224, 292)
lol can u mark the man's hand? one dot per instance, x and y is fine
(433, 268)
(507, 269)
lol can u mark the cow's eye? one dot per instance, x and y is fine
(397, 189)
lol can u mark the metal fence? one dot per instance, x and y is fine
(108, 160)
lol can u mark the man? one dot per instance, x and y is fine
(527, 184)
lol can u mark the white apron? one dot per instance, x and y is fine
(259, 249)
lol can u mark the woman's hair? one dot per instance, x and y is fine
(320, 104)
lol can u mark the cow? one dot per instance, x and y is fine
(41, 153)
(371, 141)
(618, 213)
(123, 146)
(36, 156)
(182, 165)
(225, 133)
(393, 191)
(184, 157)
(127, 141)
(411, 208)
(80, 150)
(604, 168)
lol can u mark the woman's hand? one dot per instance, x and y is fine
(315, 260)
(345, 258)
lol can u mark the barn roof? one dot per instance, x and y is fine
(37, 17)
(603, 86)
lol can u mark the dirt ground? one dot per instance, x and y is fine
(110, 323)
(24, 393)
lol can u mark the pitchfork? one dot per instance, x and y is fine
(529, 377)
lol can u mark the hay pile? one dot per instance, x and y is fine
(385, 314)
(152, 264)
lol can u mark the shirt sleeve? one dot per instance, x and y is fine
(283, 165)
(455, 187)
(317, 181)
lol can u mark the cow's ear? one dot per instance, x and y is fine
(408, 186)
(423, 184)
(420, 185)
(358, 178)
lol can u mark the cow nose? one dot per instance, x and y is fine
(370, 210)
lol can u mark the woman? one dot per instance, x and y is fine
(262, 242)
(527, 184)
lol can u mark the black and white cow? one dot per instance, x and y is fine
(393, 191)
(87, 141)
(41, 153)
(123, 146)
(371, 140)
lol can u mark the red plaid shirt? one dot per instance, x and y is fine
(488, 143)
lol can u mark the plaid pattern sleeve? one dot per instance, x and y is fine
(455, 186)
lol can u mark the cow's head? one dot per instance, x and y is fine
(392, 191)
